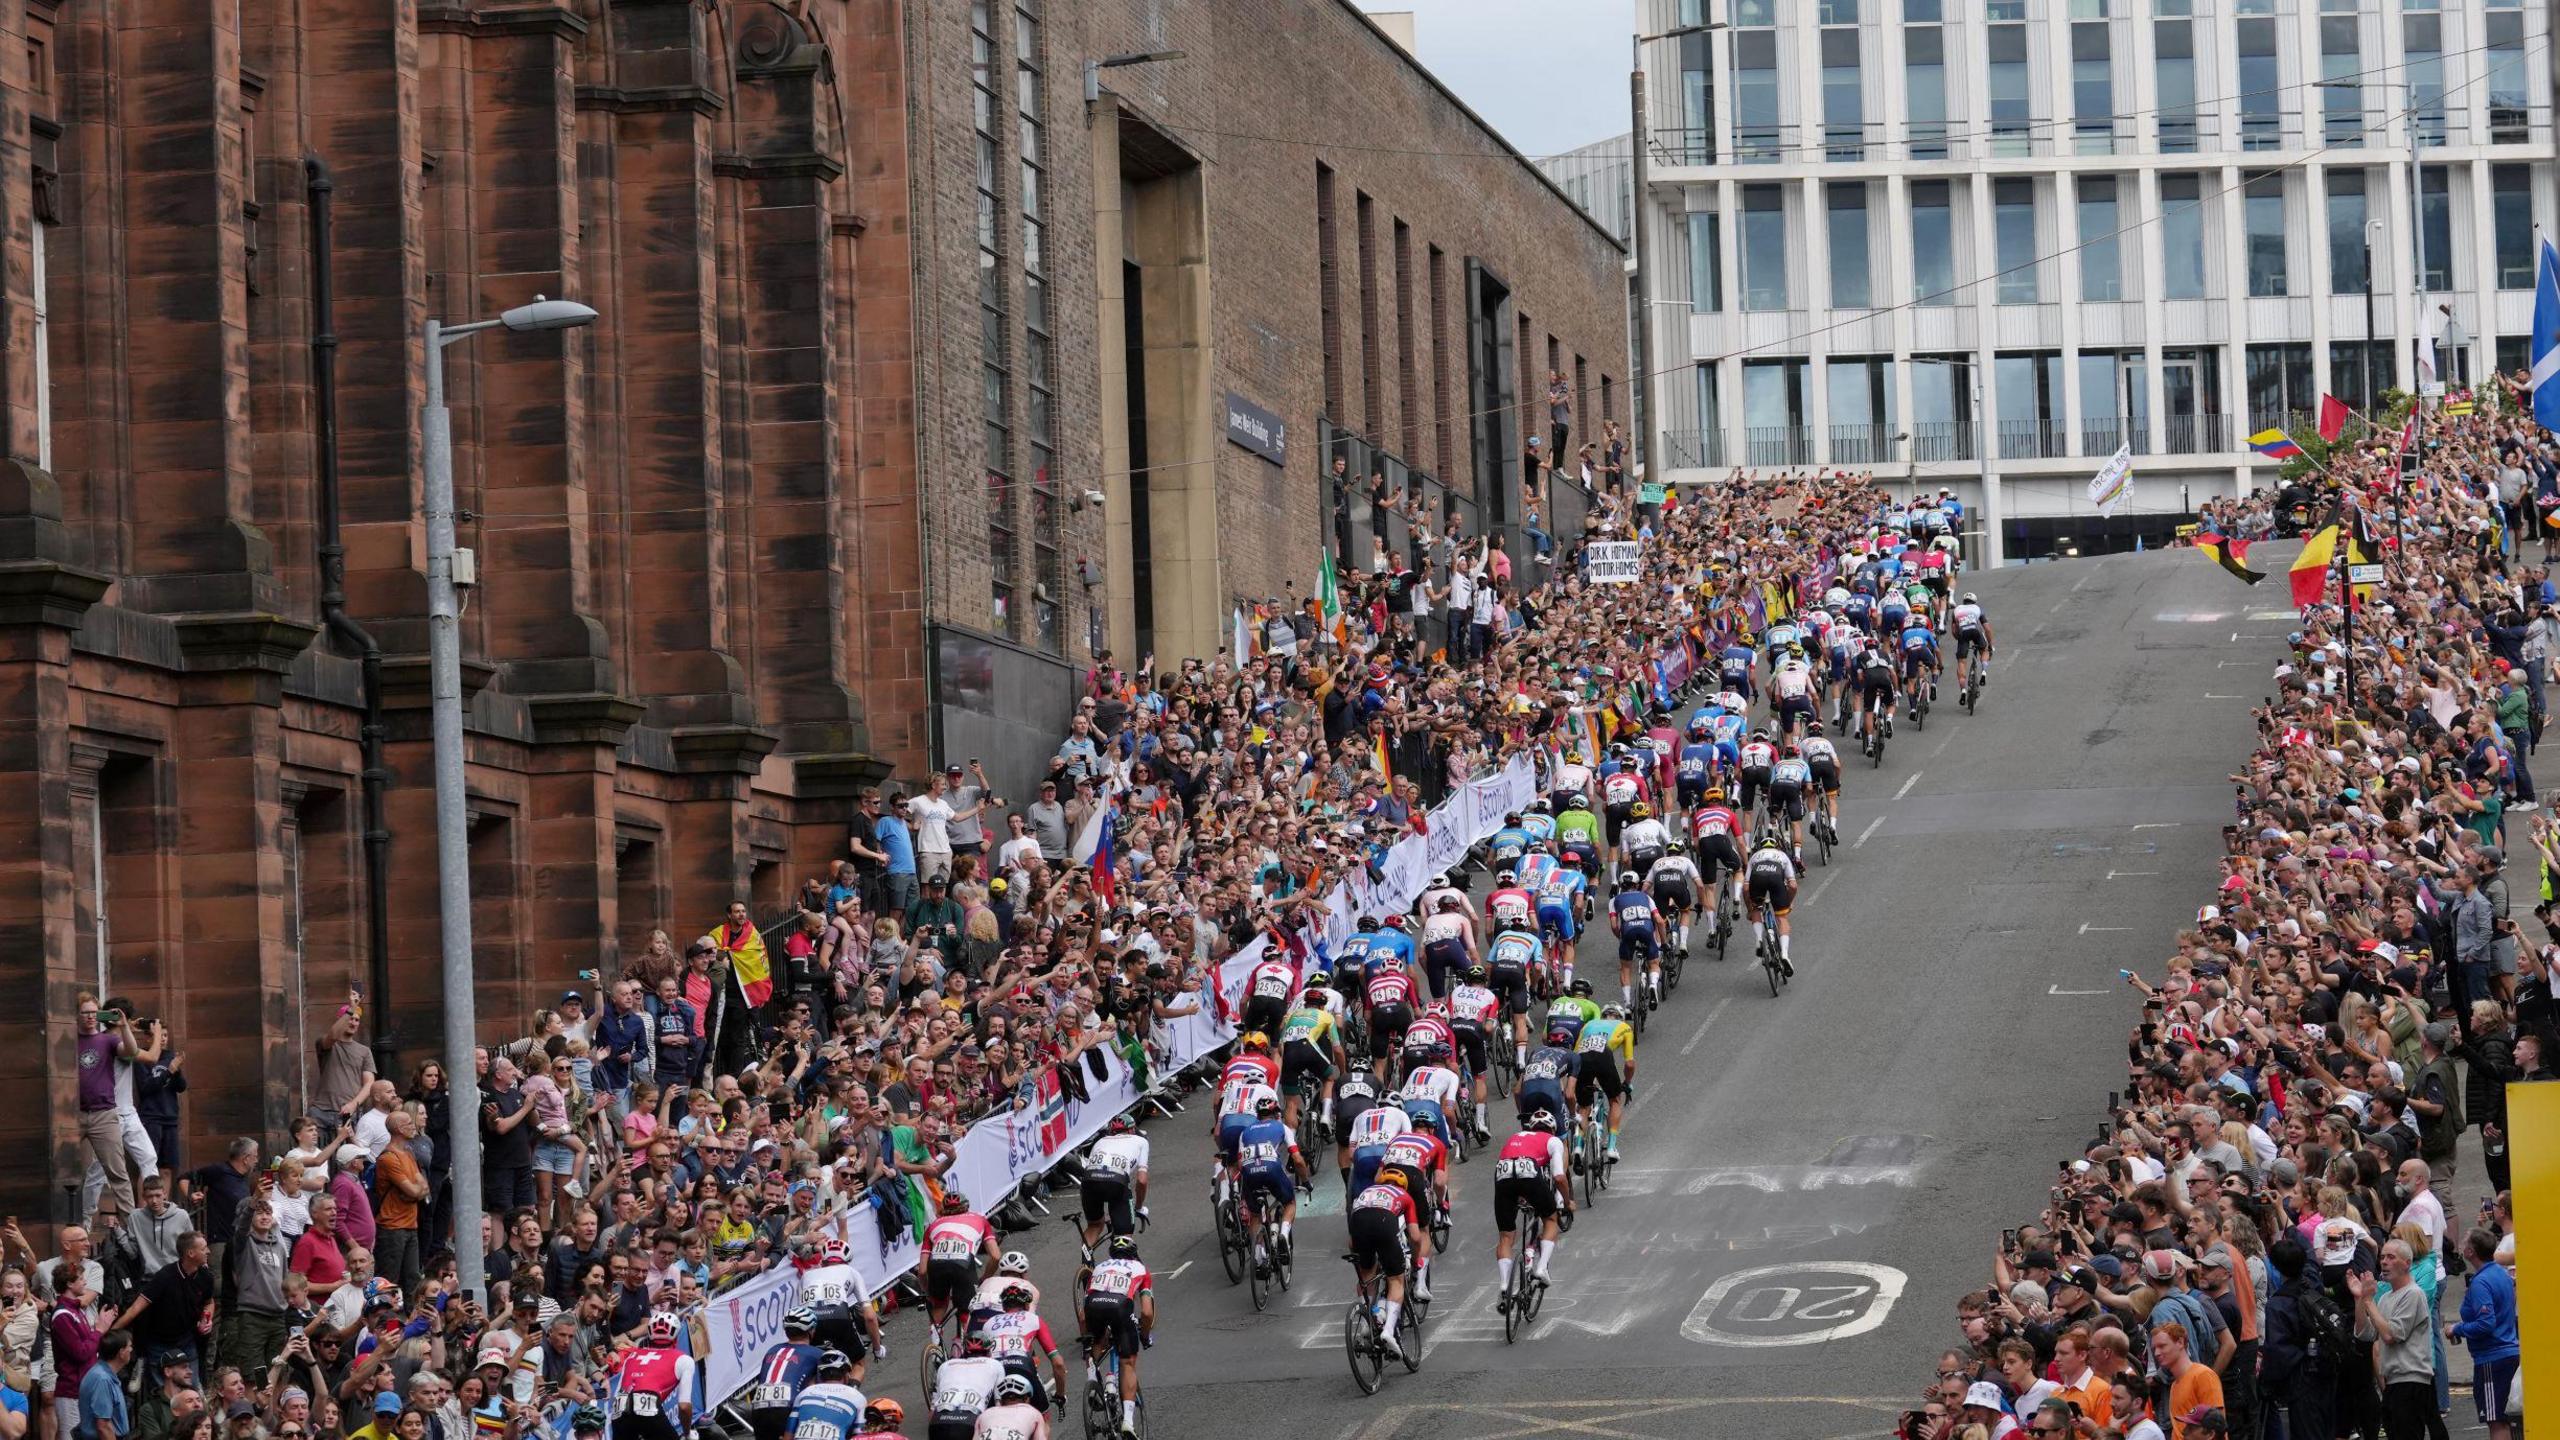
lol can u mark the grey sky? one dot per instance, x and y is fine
(1549, 74)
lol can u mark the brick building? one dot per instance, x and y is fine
(806, 507)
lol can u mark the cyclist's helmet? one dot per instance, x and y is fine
(800, 1321)
(589, 1420)
(1122, 1124)
(1679, 846)
(1397, 922)
(1715, 794)
(1450, 902)
(1316, 980)
(884, 1414)
(834, 1362)
(1640, 811)
(1626, 879)
(1580, 988)
(662, 1328)
(1698, 727)
(1124, 1247)
(1267, 1106)
(1539, 806)
(1813, 727)
(1477, 974)
(1759, 732)
(1368, 923)
(1018, 1296)
(1578, 801)
(1439, 881)
(1014, 1263)
(954, 1203)
(834, 1252)
(1013, 1390)
(1256, 1040)
(1613, 1012)
(1543, 1120)
(1969, 599)
(1507, 878)
(1511, 817)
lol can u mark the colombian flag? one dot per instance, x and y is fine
(2310, 574)
(2228, 553)
(744, 948)
(2275, 445)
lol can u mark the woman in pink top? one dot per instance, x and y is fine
(75, 1343)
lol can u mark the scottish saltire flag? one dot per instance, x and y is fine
(2545, 346)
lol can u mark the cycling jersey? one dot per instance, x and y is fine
(1514, 950)
(827, 1410)
(1697, 762)
(1540, 827)
(1758, 754)
(1713, 820)
(1674, 872)
(1634, 909)
(1118, 1155)
(1773, 862)
(1473, 1005)
(1271, 980)
(1377, 1125)
(1511, 905)
(1646, 838)
(1354, 957)
(1548, 1065)
(1262, 1143)
(1918, 639)
(1968, 617)
(1604, 1036)
(1818, 750)
(1577, 827)
(1428, 1031)
(1307, 1025)
(1531, 1155)
(1444, 926)
(1791, 771)
(1568, 1014)
(1622, 788)
(1122, 1277)
(787, 1370)
(1508, 844)
(1390, 942)
(1390, 987)
(1250, 1068)
(1243, 1096)
(1435, 1083)
(964, 1386)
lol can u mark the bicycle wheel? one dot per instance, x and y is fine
(1769, 957)
(1100, 1396)
(1234, 1252)
(1257, 1272)
(1409, 1337)
(1360, 1343)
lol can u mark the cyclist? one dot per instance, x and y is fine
(1788, 780)
(1697, 764)
(1973, 636)
(786, 1371)
(1473, 1010)
(1527, 1175)
(1115, 1182)
(1717, 832)
(1772, 871)
(1448, 941)
(1578, 832)
(1253, 1061)
(1510, 904)
(846, 1318)
(1119, 1316)
(1369, 1134)
(1560, 912)
(1309, 1045)
(959, 1248)
(1893, 611)
(1508, 843)
(1822, 766)
(1013, 1272)
(1635, 922)
(1936, 572)
(1875, 697)
(1442, 886)
(1419, 1163)
(1390, 996)
(1551, 1067)
(1385, 1231)
(1622, 788)
(1539, 821)
(1431, 1089)
(1644, 839)
(1606, 1066)
(883, 1419)
(1675, 885)
(1265, 1154)
(1239, 1101)
(1515, 953)
(1351, 962)
(962, 1390)
(1791, 691)
(1734, 665)
(1919, 654)
(1757, 756)
(1268, 992)
(657, 1383)
(1729, 723)
(1354, 1095)
(1571, 778)
(830, 1409)
(1013, 1416)
(1019, 1340)
(1394, 941)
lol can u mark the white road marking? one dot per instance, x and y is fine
(1176, 1272)
(2057, 607)
(2121, 874)
(2058, 990)
(2158, 825)
(1907, 784)
(1816, 896)
(2094, 567)
(2086, 927)
(2209, 695)
(1863, 834)
(1695, 1040)
(1838, 1298)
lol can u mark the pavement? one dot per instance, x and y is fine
(1811, 1180)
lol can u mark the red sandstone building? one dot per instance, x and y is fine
(812, 504)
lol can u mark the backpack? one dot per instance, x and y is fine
(2324, 1323)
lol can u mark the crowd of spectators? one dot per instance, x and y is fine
(679, 1127)
(2264, 1234)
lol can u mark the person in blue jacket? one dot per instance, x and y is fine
(2488, 1326)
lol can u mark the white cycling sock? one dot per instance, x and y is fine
(1784, 952)
(1546, 1253)
(1503, 1267)
(1387, 1318)
(1129, 1415)
(1285, 1227)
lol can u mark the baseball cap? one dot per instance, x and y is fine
(2204, 1417)
(240, 1410)
(572, 997)
(1986, 1395)
(2439, 1033)
(2163, 1264)
(386, 1403)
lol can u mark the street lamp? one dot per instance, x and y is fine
(453, 842)
(2372, 233)
(1093, 68)
(1650, 438)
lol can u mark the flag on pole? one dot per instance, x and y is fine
(2113, 481)
(2333, 418)
(1378, 751)
(2310, 574)
(2427, 368)
(1329, 594)
(1106, 857)
(2545, 345)
(1243, 636)
(743, 945)
(2229, 552)
(2275, 445)
(2408, 433)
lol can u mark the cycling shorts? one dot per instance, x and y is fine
(953, 1282)
(1108, 1195)
(1271, 1178)
(1298, 1060)
(1826, 776)
(1787, 799)
(1718, 854)
(1969, 642)
(1266, 1013)
(1673, 896)
(1113, 1319)
(1547, 1095)
(1636, 942)
(1378, 1241)
(1778, 893)
(1599, 1076)
(1471, 1048)
(1538, 1192)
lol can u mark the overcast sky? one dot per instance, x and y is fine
(1549, 74)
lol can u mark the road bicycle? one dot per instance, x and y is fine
(1504, 1059)
(1277, 1268)
(1772, 957)
(1361, 1334)
(1728, 914)
(942, 1340)
(1102, 1395)
(1822, 831)
(1527, 1294)
(1313, 1130)
(1590, 1156)
(1235, 1246)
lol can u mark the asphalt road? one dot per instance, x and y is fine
(1809, 1181)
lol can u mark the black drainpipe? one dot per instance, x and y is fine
(333, 609)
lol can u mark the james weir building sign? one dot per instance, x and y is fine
(1257, 429)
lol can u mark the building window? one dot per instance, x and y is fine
(1942, 408)
(42, 345)
(995, 328)
(2359, 370)
(2101, 249)
(1408, 361)
(2348, 274)
(1929, 10)
(1838, 12)
(2173, 46)
(2261, 85)
(2263, 204)
(1039, 373)
(2030, 404)
(1933, 243)
(2280, 383)
(1696, 143)
(2114, 399)
(1755, 94)
(1850, 285)
(1844, 113)
(1706, 261)
(1773, 410)
(1443, 436)
(2435, 223)
(2508, 82)
(1924, 81)
(1373, 402)
(2013, 226)
(1764, 248)
(2093, 89)
(2005, 47)
(2341, 74)
(2182, 237)
(1710, 447)
(1860, 391)
(2422, 46)
(2511, 221)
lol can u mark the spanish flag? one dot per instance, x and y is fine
(2231, 554)
(743, 947)
(2310, 574)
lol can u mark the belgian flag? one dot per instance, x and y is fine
(2229, 553)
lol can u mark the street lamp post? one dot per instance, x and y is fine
(1649, 436)
(453, 841)
(1093, 68)
(2372, 397)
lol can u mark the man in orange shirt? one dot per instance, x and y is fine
(2191, 1386)
(2081, 1384)
(395, 1221)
